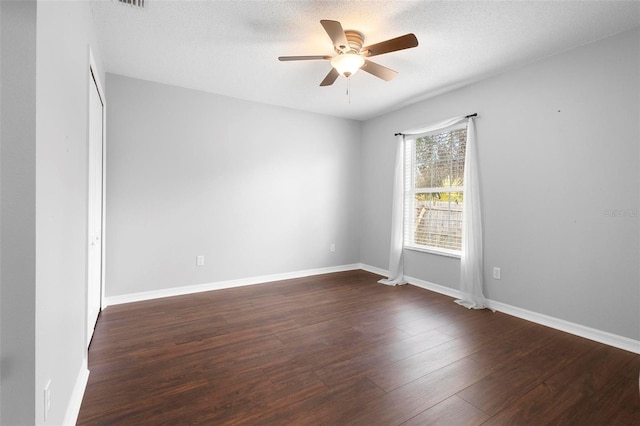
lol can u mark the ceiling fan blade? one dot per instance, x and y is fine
(336, 33)
(330, 78)
(303, 58)
(406, 41)
(379, 71)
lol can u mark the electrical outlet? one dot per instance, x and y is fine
(496, 273)
(47, 399)
(333, 248)
(199, 260)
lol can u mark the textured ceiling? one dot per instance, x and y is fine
(231, 47)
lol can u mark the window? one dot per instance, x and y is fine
(434, 173)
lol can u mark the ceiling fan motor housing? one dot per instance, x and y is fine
(355, 39)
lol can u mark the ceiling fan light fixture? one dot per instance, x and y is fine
(347, 64)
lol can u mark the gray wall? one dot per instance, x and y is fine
(17, 213)
(0, 216)
(44, 75)
(558, 146)
(256, 189)
(64, 33)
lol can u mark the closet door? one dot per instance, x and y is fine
(95, 186)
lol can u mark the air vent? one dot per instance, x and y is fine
(133, 3)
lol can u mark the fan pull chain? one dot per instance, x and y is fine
(349, 90)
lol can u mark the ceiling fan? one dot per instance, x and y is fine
(351, 56)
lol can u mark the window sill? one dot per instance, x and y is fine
(445, 253)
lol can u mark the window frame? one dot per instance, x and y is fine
(410, 192)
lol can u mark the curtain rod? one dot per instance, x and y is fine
(475, 114)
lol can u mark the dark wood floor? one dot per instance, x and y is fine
(340, 349)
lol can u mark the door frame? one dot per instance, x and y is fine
(94, 76)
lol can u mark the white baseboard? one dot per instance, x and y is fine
(198, 288)
(75, 402)
(447, 291)
(596, 335)
(610, 339)
(374, 270)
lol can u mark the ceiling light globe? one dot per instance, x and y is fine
(347, 64)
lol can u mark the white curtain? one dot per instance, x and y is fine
(471, 261)
(396, 264)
